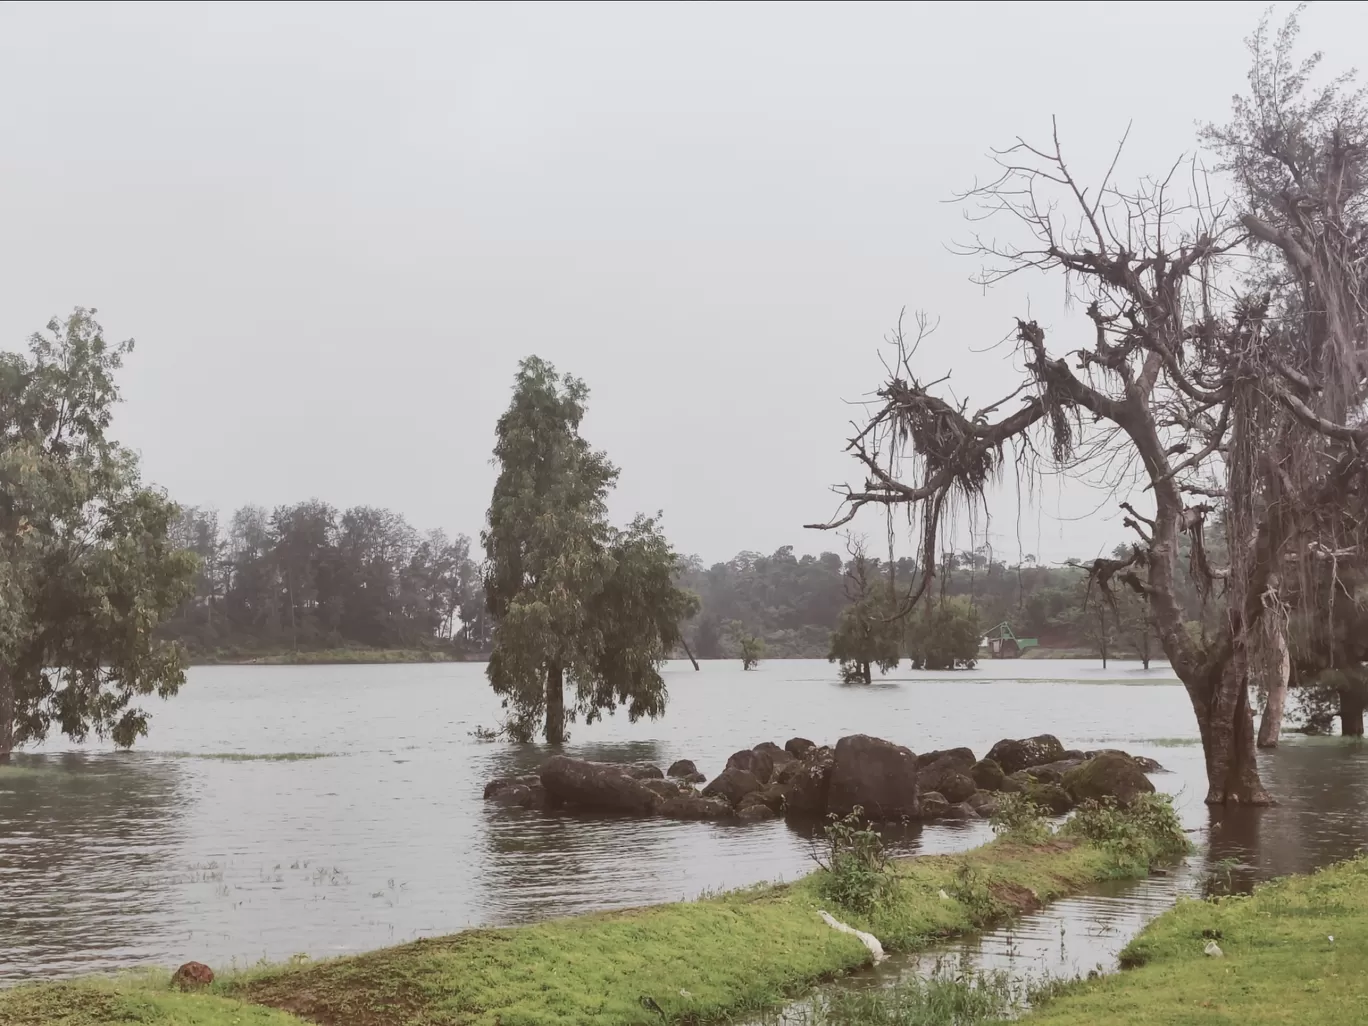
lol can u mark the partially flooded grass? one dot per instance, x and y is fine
(699, 961)
(962, 998)
(12, 772)
(1293, 952)
(248, 756)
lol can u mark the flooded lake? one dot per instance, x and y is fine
(195, 846)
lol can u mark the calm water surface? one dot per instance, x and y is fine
(171, 852)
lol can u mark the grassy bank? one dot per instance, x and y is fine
(686, 961)
(321, 657)
(1278, 963)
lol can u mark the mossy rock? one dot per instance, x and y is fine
(1111, 775)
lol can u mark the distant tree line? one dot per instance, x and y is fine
(309, 576)
(794, 603)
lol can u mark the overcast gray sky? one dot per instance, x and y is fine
(334, 229)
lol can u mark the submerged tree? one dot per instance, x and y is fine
(1229, 399)
(944, 635)
(575, 602)
(752, 651)
(868, 632)
(88, 567)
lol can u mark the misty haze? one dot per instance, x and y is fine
(629, 513)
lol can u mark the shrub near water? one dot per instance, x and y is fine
(1143, 832)
(857, 872)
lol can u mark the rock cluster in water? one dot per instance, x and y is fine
(803, 780)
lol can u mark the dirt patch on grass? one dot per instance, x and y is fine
(354, 993)
(1015, 897)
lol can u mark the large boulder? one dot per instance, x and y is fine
(520, 796)
(778, 756)
(874, 775)
(964, 755)
(593, 785)
(771, 796)
(1143, 761)
(732, 784)
(524, 792)
(758, 763)
(1051, 772)
(695, 807)
(669, 787)
(684, 769)
(962, 811)
(933, 805)
(987, 774)
(982, 802)
(1023, 753)
(805, 794)
(500, 785)
(1050, 797)
(1111, 775)
(769, 800)
(949, 775)
(641, 770)
(798, 747)
(784, 774)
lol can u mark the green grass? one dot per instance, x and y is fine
(710, 959)
(954, 997)
(133, 1000)
(27, 772)
(1279, 967)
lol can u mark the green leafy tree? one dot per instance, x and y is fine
(868, 632)
(88, 567)
(574, 601)
(944, 635)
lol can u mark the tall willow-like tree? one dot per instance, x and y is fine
(87, 565)
(577, 604)
(1234, 398)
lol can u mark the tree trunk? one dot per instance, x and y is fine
(868, 677)
(7, 718)
(1145, 648)
(1102, 621)
(1275, 663)
(555, 704)
(687, 652)
(1226, 720)
(1351, 714)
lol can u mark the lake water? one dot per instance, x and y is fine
(172, 852)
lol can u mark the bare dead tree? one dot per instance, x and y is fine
(1219, 400)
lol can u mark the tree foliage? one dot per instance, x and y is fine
(1234, 398)
(308, 576)
(88, 568)
(868, 631)
(944, 635)
(575, 601)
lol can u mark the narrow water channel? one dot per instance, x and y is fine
(1070, 938)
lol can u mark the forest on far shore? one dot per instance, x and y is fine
(312, 578)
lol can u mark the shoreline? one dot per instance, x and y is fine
(740, 952)
(397, 656)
